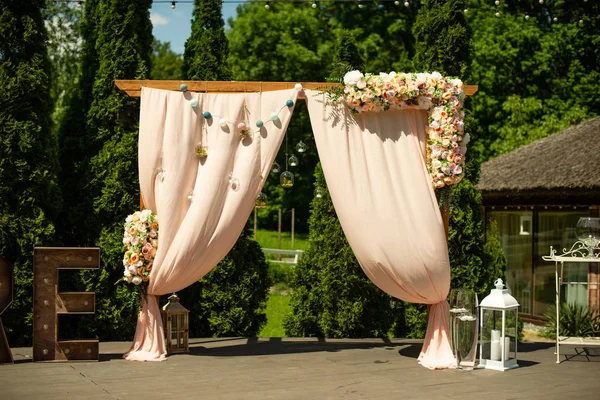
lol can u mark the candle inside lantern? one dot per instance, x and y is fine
(506, 347)
(495, 350)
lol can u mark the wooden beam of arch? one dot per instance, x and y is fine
(134, 87)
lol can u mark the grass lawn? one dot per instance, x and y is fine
(268, 239)
(277, 308)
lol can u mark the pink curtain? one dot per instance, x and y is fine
(202, 204)
(374, 165)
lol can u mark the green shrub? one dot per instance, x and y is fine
(575, 320)
(281, 273)
(331, 295)
(231, 299)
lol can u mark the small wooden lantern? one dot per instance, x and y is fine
(176, 323)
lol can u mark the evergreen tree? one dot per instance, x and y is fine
(76, 223)
(444, 45)
(231, 299)
(117, 44)
(331, 294)
(206, 51)
(442, 38)
(29, 194)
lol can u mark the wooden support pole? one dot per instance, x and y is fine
(6, 297)
(254, 223)
(293, 222)
(279, 233)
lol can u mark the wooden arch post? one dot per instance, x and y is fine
(133, 88)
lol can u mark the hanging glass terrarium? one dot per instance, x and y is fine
(275, 168)
(286, 179)
(201, 151)
(301, 147)
(293, 161)
(261, 200)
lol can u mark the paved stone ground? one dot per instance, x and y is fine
(312, 369)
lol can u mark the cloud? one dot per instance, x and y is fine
(158, 19)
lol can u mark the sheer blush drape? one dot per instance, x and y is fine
(374, 165)
(194, 235)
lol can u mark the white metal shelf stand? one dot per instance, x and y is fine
(579, 252)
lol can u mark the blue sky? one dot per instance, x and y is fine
(175, 25)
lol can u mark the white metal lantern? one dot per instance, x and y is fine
(176, 323)
(498, 330)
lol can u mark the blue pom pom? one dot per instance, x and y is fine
(183, 87)
(289, 103)
(207, 115)
(259, 123)
(194, 103)
(274, 116)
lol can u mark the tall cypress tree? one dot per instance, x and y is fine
(442, 38)
(443, 45)
(231, 299)
(103, 178)
(206, 51)
(29, 194)
(76, 224)
(331, 294)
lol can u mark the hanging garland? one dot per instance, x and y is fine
(442, 98)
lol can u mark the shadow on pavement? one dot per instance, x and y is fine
(257, 347)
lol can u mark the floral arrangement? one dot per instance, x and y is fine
(441, 97)
(141, 242)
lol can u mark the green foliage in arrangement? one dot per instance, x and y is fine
(104, 183)
(331, 295)
(206, 51)
(575, 320)
(231, 299)
(166, 64)
(29, 194)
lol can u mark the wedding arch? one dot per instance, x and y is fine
(206, 149)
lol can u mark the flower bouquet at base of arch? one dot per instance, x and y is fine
(141, 242)
(442, 98)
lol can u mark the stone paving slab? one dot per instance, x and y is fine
(298, 368)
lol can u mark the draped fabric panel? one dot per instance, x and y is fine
(202, 204)
(374, 165)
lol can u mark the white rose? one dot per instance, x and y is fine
(424, 102)
(466, 139)
(136, 280)
(145, 215)
(456, 82)
(436, 75)
(352, 77)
